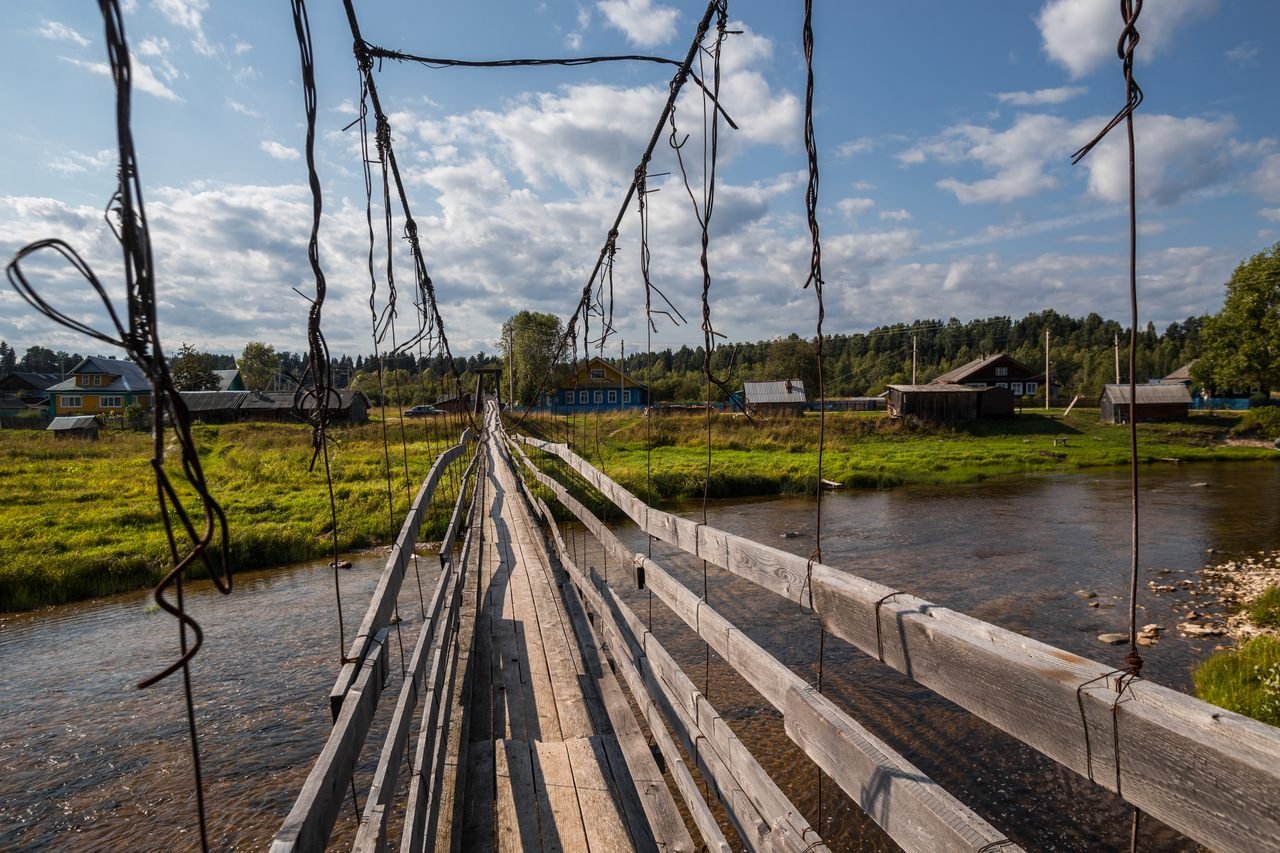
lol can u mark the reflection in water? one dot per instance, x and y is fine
(87, 762)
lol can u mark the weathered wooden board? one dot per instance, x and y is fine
(310, 821)
(1029, 689)
(913, 809)
(516, 804)
(383, 602)
(479, 821)
(606, 830)
(560, 816)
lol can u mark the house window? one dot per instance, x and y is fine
(597, 373)
(1017, 388)
(110, 403)
(1029, 388)
(582, 397)
(613, 396)
(599, 397)
(626, 396)
(1002, 371)
(71, 402)
(1002, 384)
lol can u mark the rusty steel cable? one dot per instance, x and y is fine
(683, 72)
(126, 216)
(430, 321)
(1125, 47)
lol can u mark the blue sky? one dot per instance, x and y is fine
(945, 131)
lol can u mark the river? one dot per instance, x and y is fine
(87, 762)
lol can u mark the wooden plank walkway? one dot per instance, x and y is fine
(547, 767)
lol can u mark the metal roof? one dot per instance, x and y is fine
(778, 391)
(962, 372)
(128, 376)
(941, 388)
(1171, 393)
(71, 422)
(213, 401)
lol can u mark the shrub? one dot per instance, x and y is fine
(1263, 420)
(1244, 680)
(1265, 611)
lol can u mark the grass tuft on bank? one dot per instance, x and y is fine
(1245, 680)
(81, 519)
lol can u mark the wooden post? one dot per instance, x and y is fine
(1048, 387)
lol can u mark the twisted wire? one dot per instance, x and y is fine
(126, 216)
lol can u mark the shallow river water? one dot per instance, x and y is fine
(87, 762)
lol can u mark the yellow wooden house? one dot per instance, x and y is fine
(98, 385)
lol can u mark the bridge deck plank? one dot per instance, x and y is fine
(540, 742)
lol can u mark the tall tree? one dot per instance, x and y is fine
(8, 358)
(193, 370)
(1241, 343)
(39, 360)
(258, 365)
(528, 344)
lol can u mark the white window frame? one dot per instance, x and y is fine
(72, 402)
(597, 373)
(1002, 384)
(599, 397)
(115, 401)
(626, 396)
(582, 397)
(613, 396)
(1002, 371)
(1017, 388)
(1030, 388)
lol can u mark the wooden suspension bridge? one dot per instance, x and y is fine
(513, 728)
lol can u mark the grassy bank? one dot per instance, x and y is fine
(865, 450)
(80, 519)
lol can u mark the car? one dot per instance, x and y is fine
(422, 412)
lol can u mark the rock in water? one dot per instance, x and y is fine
(1113, 639)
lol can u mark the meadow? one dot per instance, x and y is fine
(80, 519)
(868, 450)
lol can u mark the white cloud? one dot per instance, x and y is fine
(278, 151)
(1177, 157)
(643, 23)
(159, 49)
(237, 107)
(851, 207)
(75, 162)
(61, 32)
(861, 145)
(895, 215)
(1272, 213)
(189, 15)
(143, 78)
(1266, 180)
(1081, 35)
(1041, 97)
(1244, 53)
(242, 47)
(1018, 156)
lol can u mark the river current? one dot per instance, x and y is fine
(88, 762)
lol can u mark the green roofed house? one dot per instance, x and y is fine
(100, 386)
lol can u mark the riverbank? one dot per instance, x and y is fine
(869, 450)
(80, 519)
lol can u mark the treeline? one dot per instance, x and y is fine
(1082, 355)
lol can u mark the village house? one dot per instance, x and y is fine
(100, 386)
(997, 371)
(948, 403)
(19, 391)
(599, 385)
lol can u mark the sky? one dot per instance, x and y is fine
(945, 132)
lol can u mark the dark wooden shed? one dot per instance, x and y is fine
(938, 403)
(1153, 403)
(74, 426)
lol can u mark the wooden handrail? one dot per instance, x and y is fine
(1064, 705)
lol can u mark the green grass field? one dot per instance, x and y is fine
(869, 450)
(80, 519)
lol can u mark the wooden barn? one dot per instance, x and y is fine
(949, 404)
(779, 397)
(1153, 403)
(74, 426)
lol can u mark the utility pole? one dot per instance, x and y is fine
(913, 359)
(622, 373)
(1116, 344)
(1047, 386)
